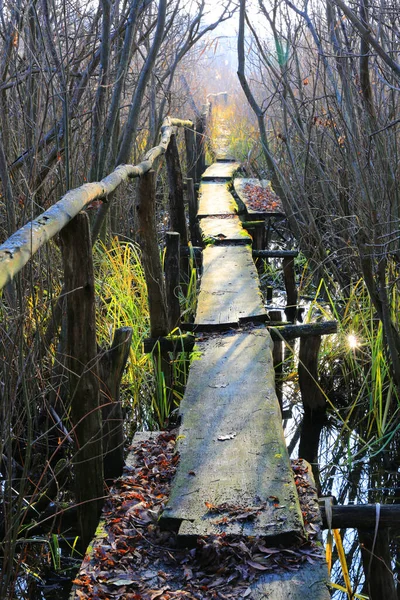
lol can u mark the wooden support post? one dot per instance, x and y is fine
(377, 563)
(275, 315)
(146, 215)
(111, 367)
(195, 236)
(172, 278)
(291, 290)
(200, 147)
(176, 198)
(314, 402)
(259, 236)
(207, 117)
(190, 153)
(257, 232)
(277, 355)
(177, 205)
(83, 373)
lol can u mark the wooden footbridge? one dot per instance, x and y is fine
(234, 476)
(234, 479)
(231, 443)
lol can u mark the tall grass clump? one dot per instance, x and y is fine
(355, 367)
(122, 302)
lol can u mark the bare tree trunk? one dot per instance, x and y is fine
(134, 111)
(260, 118)
(7, 190)
(112, 117)
(101, 93)
(365, 33)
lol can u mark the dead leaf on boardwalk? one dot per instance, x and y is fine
(229, 436)
(268, 550)
(121, 581)
(258, 566)
(157, 593)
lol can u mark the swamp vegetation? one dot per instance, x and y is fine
(313, 108)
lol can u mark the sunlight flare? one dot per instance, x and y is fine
(352, 341)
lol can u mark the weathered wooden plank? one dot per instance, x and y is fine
(214, 200)
(239, 185)
(274, 253)
(220, 170)
(222, 154)
(310, 581)
(229, 287)
(231, 445)
(223, 231)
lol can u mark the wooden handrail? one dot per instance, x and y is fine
(17, 250)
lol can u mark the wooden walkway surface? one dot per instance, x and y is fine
(232, 451)
(234, 476)
(220, 170)
(224, 230)
(229, 291)
(215, 200)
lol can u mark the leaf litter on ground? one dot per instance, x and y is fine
(133, 559)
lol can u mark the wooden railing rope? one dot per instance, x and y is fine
(17, 250)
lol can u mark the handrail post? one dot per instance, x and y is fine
(291, 290)
(176, 197)
(147, 237)
(111, 367)
(314, 401)
(190, 142)
(83, 373)
(172, 277)
(201, 125)
(194, 232)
